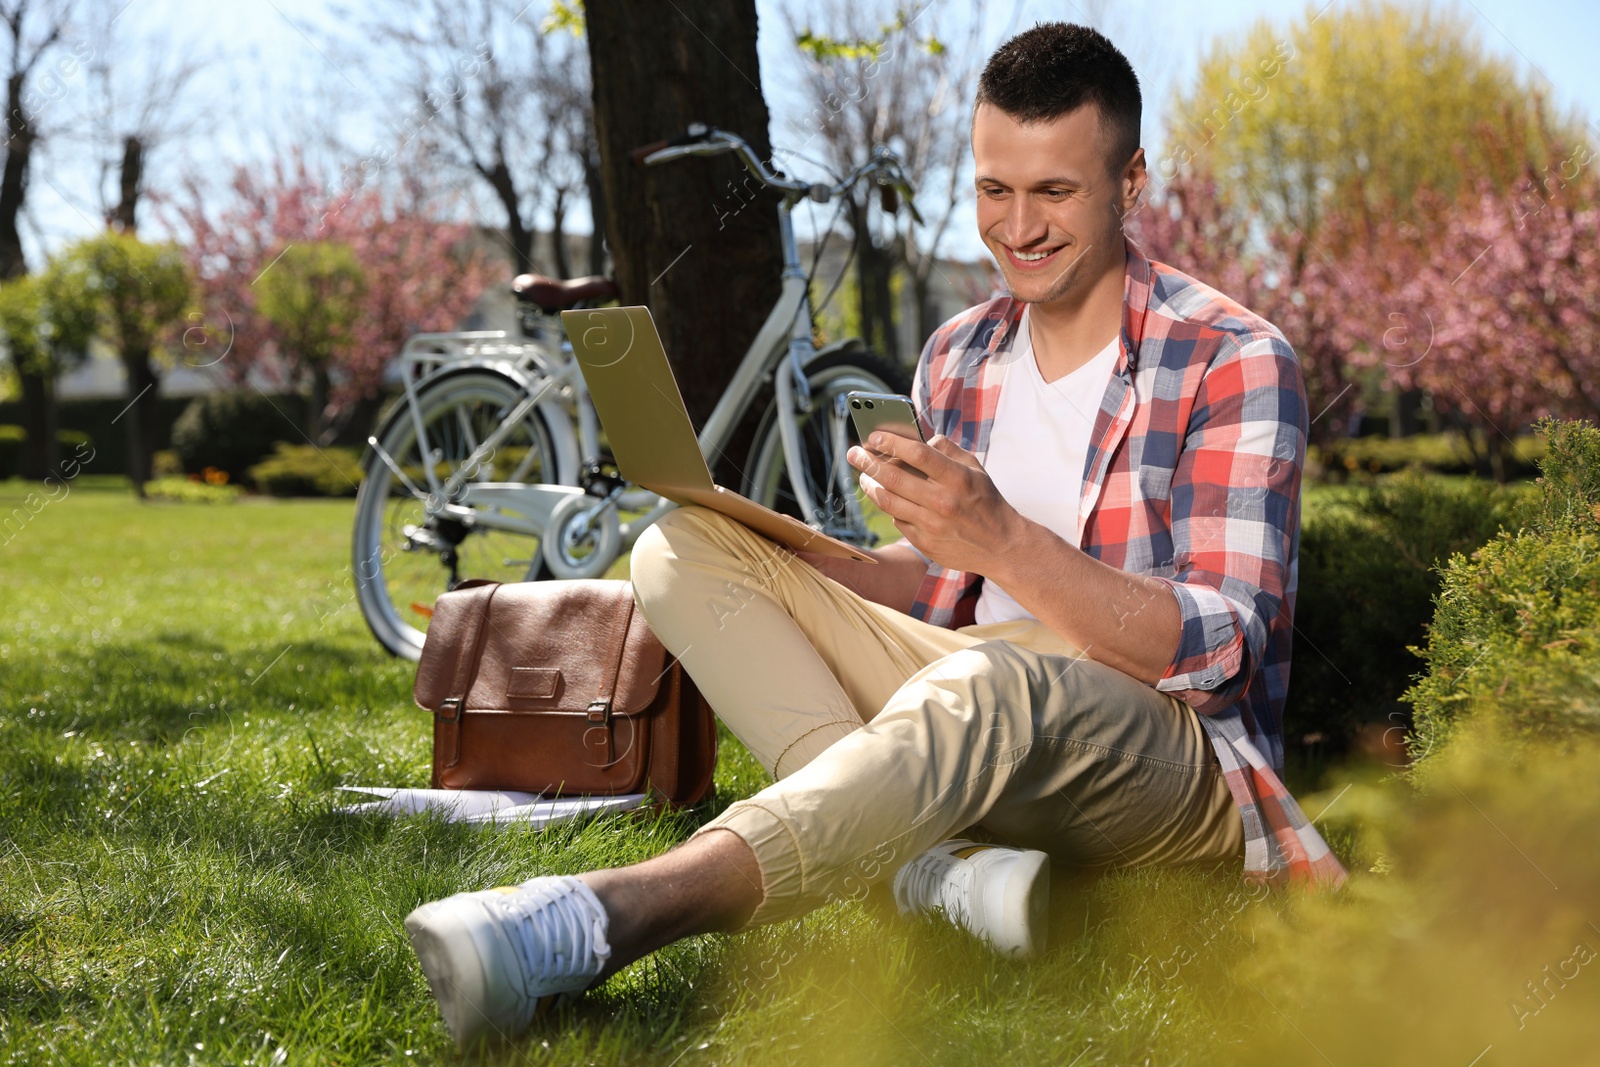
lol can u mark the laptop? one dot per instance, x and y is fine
(654, 443)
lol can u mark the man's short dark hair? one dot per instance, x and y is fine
(1055, 68)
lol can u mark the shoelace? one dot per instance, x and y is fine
(936, 880)
(557, 934)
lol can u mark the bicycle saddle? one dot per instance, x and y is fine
(552, 294)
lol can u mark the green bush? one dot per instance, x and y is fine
(1569, 479)
(304, 470)
(12, 440)
(181, 490)
(1367, 584)
(103, 420)
(232, 431)
(166, 463)
(1471, 883)
(71, 441)
(1516, 634)
(1442, 453)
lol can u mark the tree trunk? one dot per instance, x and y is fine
(873, 267)
(1470, 430)
(41, 451)
(520, 235)
(317, 404)
(1494, 445)
(707, 263)
(131, 184)
(597, 210)
(1407, 408)
(143, 385)
(20, 136)
(141, 414)
(558, 235)
(927, 315)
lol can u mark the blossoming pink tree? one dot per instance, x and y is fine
(1273, 271)
(1488, 301)
(420, 274)
(1507, 288)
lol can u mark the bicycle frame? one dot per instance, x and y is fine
(526, 509)
(787, 328)
(521, 508)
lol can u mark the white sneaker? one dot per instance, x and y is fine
(999, 894)
(499, 958)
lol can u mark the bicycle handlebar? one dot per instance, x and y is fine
(693, 135)
(638, 154)
(702, 140)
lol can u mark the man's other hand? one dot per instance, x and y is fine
(893, 581)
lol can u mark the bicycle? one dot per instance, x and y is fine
(478, 473)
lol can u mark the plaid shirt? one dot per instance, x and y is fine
(1193, 477)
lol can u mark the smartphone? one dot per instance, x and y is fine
(889, 412)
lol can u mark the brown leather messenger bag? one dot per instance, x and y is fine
(560, 688)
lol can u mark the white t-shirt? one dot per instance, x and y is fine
(1037, 448)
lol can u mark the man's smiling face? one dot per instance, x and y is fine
(1050, 203)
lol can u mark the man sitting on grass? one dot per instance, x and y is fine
(1078, 652)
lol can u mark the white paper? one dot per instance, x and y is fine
(482, 806)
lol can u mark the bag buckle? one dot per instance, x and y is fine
(449, 710)
(599, 710)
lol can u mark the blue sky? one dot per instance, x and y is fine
(270, 72)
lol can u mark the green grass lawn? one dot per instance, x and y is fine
(184, 687)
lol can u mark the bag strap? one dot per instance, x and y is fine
(667, 731)
(447, 716)
(600, 707)
(597, 739)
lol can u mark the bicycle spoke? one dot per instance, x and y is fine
(408, 552)
(469, 438)
(826, 438)
(388, 461)
(843, 476)
(838, 444)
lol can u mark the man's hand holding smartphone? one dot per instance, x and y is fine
(890, 413)
(936, 491)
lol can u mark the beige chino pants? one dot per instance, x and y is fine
(888, 735)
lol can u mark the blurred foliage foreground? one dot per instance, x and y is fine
(1473, 929)
(183, 689)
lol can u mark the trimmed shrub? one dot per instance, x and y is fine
(166, 463)
(12, 440)
(1569, 482)
(234, 430)
(1367, 586)
(303, 470)
(181, 490)
(72, 441)
(1472, 884)
(1442, 453)
(1516, 634)
(99, 417)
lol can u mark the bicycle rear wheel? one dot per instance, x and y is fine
(826, 433)
(408, 548)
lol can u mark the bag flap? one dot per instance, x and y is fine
(550, 646)
(444, 645)
(644, 664)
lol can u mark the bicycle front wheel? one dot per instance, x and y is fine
(411, 545)
(826, 433)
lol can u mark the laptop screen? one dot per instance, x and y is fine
(637, 398)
